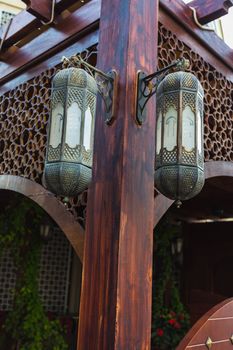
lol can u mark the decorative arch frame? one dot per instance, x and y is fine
(53, 207)
(212, 169)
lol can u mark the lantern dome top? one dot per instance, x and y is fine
(180, 81)
(75, 76)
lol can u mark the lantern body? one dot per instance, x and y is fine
(68, 167)
(179, 163)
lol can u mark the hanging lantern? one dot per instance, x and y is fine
(68, 167)
(179, 164)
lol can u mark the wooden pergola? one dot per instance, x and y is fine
(115, 310)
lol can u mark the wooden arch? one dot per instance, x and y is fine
(212, 169)
(47, 201)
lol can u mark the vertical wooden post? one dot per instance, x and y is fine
(115, 311)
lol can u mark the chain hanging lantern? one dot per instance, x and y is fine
(69, 156)
(70, 139)
(179, 164)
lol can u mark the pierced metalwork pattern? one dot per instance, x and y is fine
(189, 82)
(170, 99)
(78, 153)
(169, 156)
(189, 99)
(54, 153)
(188, 157)
(58, 96)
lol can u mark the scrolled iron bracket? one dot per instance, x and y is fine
(147, 86)
(106, 82)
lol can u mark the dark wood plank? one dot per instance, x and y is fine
(209, 10)
(183, 16)
(41, 9)
(67, 31)
(115, 311)
(65, 220)
(24, 23)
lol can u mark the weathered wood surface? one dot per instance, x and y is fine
(88, 40)
(115, 311)
(46, 200)
(175, 15)
(25, 22)
(41, 9)
(208, 43)
(216, 324)
(209, 10)
(48, 43)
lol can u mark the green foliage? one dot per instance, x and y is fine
(170, 321)
(27, 325)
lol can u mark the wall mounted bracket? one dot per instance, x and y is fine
(147, 86)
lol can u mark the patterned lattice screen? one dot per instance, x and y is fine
(54, 279)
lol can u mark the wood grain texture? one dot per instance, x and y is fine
(25, 22)
(115, 311)
(210, 10)
(41, 9)
(182, 14)
(80, 22)
(46, 200)
(176, 16)
(217, 324)
(83, 43)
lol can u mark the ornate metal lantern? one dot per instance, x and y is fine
(68, 167)
(179, 166)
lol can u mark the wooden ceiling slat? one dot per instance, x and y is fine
(49, 42)
(25, 22)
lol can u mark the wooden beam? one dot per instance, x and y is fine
(49, 42)
(209, 10)
(41, 9)
(178, 17)
(25, 23)
(115, 311)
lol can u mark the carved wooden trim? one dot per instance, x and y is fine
(47, 201)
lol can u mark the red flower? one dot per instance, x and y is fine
(159, 332)
(177, 325)
(172, 321)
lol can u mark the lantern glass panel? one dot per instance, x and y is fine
(56, 126)
(73, 125)
(199, 132)
(159, 133)
(188, 129)
(170, 129)
(87, 134)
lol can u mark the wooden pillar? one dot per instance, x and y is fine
(115, 311)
